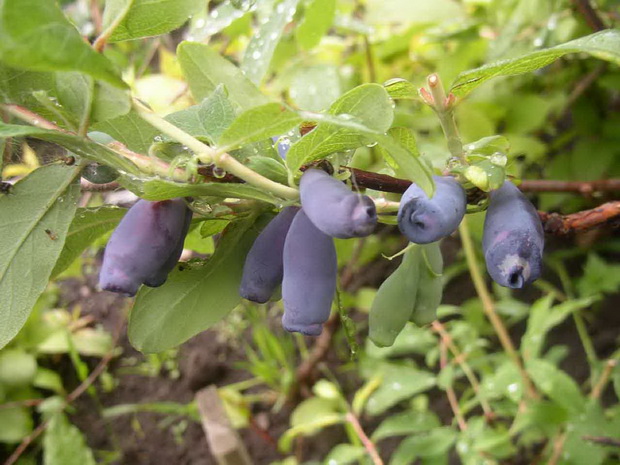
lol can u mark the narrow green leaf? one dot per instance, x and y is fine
(35, 35)
(146, 18)
(258, 123)
(205, 69)
(395, 300)
(88, 225)
(161, 189)
(209, 119)
(78, 145)
(34, 221)
(604, 45)
(219, 18)
(318, 18)
(260, 50)
(194, 297)
(64, 444)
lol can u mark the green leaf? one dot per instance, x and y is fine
(64, 444)
(15, 424)
(161, 189)
(436, 442)
(269, 168)
(193, 298)
(395, 300)
(258, 123)
(345, 454)
(604, 45)
(209, 119)
(598, 277)
(205, 69)
(399, 88)
(35, 35)
(88, 225)
(259, 51)
(109, 102)
(211, 227)
(315, 88)
(146, 18)
(543, 318)
(131, 130)
(400, 382)
(404, 423)
(411, 340)
(223, 15)
(78, 145)
(406, 138)
(318, 18)
(363, 110)
(33, 226)
(556, 384)
(48, 379)
(17, 368)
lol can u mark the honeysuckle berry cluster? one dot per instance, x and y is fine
(296, 249)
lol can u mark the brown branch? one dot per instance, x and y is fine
(440, 329)
(14, 457)
(366, 441)
(602, 440)
(562, 225)
(88, 186)
(589, 14)
(452, 400)
(581, 187)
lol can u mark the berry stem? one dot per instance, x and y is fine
(489, 309)
(208, 155)
(444, 107)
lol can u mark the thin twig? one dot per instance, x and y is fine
(561, 225)
(489, 309)
(452, 400)
(366, 441)
(589, 14)
(602, 440)
(600, 385)
(14, 457)
(558, 445)
(469, 373)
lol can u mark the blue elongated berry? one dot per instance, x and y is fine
(309, 282)
(159, 277)
(333, 208)
(424, 220)
(145, 246)
(513, 239)
(262, 271)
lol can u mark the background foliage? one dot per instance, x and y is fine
(535, 80)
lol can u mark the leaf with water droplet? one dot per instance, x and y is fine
(260, 50)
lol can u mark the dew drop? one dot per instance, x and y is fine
(218, 173)
(256, 54)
